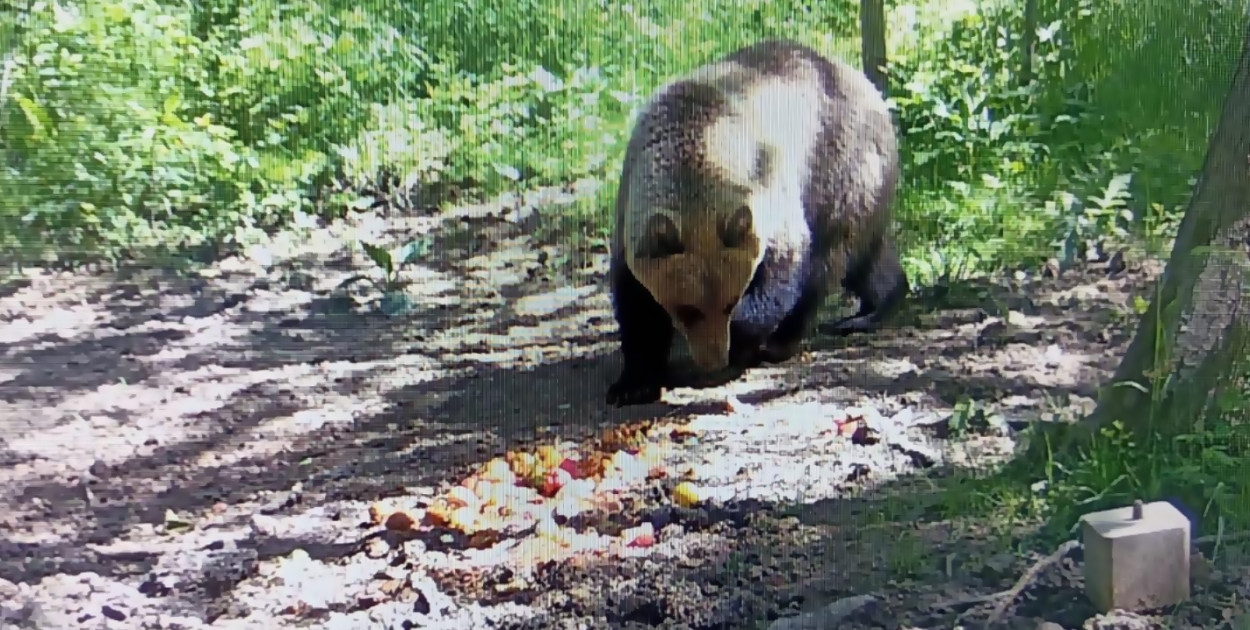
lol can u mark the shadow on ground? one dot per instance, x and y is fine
(248, 388)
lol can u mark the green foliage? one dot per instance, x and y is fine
(102, 145)
(140, 126)
(530, 125)
(1069, 163)
(1201, 467)
(1202, 471)
(386, 277)
(144, 126)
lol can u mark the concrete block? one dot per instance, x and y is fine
(1136, 557)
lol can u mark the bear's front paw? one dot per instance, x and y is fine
(778, 353)
(855, 324)
(634, 390)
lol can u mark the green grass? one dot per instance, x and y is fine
(1204, 470)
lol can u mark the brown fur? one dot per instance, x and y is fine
(707, 268)
(770, 164)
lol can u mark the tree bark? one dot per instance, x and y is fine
(1195, 328)
(1028, 41)
(872, 42)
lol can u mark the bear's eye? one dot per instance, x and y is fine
(689, 315)
(729, 310)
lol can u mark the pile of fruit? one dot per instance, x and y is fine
(525, 490)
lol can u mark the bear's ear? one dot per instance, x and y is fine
(736, 228)
(660, 239)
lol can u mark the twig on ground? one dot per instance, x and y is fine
(1005, 598)
(1223, 538)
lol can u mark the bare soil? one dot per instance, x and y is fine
(200, 450)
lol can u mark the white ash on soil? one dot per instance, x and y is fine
(198, 451)
(741, 455)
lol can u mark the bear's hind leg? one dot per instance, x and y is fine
(785, 341)
(880, 284)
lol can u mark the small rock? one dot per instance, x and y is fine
(1049, 625)
(828, 617)
(265, 525)
(1200, 568)
(112, 613)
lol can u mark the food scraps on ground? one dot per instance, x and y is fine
(686, 494)
(538, 491)
(525, 489)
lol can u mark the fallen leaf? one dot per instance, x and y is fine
(553, 481)
(173, 521)
(484, 538)
(392, 586)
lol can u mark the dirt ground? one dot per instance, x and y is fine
(201, 450)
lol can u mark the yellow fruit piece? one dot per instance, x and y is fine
(521, 463)
(686, 494)
(378, 512)
(498, 470)
(548, 456)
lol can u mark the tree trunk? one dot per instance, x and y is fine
(1028, 41)
(1196, 325)
(872, 41)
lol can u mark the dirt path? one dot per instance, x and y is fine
(201, 451)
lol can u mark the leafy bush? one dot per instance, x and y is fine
(133, 132)
(1001, 170)
(103, 150)
(530, 124)
(143, 125)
